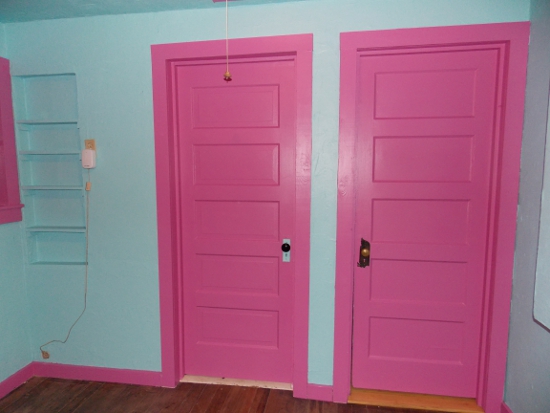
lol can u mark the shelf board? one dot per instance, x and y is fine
(52, 187)
(49, 152)
(56, 229)
(46, 122)
(57, 263)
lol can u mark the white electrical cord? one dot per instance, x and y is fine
(45, 354)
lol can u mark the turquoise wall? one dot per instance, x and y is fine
(3, 50)
(542, 284)
(111, 58)
(528, 370)
(15, 351)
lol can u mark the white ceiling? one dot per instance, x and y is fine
(27, 10)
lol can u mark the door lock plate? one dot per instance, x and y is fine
(286, 250)
(364, 254)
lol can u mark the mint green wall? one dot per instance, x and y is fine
(542, 284)
(528, 370)
(111, 58)
(15, 352)
(3, 50)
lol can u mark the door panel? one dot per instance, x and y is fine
(237, 160)
(425, 121)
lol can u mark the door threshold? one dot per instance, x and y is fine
(236, 382)
(414, 401)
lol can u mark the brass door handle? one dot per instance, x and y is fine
(364, 254)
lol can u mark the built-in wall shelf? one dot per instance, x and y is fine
(48, 153)
(56, 229)
(57, 263)
(56, 247)
(51, 188)
(46, 122)
(51, 174)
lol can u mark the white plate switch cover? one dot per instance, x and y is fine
(286, 255)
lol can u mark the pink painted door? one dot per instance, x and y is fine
(424, 143)
(237, 161)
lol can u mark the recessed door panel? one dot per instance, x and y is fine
(239, 274)
(225, 327)
(422, 159)
(418, 281)
(420, 221)
(236, 164)
(409, 93)
(237, 219)
(412, 340)
(237, 106)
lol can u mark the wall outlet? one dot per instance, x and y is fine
(89, 144)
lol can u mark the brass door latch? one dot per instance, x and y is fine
(364, 254)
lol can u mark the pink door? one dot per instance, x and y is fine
(424, 143)
(237, 160)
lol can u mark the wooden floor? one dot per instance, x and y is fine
(40, 395)
(417, 401)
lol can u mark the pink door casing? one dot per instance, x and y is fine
(233, 181)
(424, 143)
(237, 159)
(10, 205)
(428, 173)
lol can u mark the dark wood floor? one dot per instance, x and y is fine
(40, 395)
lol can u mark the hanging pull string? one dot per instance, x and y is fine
(45, 354)
(227, 75)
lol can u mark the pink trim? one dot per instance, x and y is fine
(72, 372)
(10, 212)
(16, 380)
(345, 228)
(104, 374)
(318, 392)
(491, 393)
(512, 38)
(168, 267)
(164, 58)
(303, 208)
(505, 409)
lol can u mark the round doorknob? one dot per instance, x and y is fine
(365, 252)
(285, 247)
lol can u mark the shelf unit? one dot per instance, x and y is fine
(50, 169)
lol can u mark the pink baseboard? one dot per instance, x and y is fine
(72, 372)
(319, 392)
(110, 375)
(505, 409)
(16, 380)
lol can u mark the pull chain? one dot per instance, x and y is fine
(227, 75)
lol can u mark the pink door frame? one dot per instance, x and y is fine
(10, 211)
(165, 59)
(511, 40)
